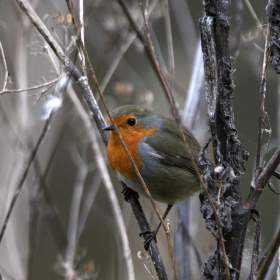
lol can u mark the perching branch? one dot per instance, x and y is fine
(107, 182)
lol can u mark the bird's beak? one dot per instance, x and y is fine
(108, 127)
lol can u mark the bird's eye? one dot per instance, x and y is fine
(131, 122)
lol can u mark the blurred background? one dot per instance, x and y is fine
(31, 247)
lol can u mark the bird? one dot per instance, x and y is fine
(159, 152)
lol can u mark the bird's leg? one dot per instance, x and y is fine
(126, 191)
(152, 234)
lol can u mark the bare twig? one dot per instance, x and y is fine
(171, 100)
(268, 170)
(255, 17)
(139, 176)
(88, 202)
(74, 215)
(24, 175)
(115, 62)
(82, 34)
(101, 165)
(195, 89)
(169, 43)
(6, 75)
(262, 101)
(268, 257)
(175, 113)
(81, 80)
(68, 64)
(52, 82)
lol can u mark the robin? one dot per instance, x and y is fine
(158, 150)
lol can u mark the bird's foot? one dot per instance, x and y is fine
(149, 236)
(126, 191)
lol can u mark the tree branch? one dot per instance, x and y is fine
(81, 81)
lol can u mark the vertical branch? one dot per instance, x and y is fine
(262, 102)
(223, 180)
(75, 210)
(211, 79)
(183, 219)
(169, 43)
(5, 67)
(82, 35)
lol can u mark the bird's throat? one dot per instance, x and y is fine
(117, 155)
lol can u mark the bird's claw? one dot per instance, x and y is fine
(150, 235)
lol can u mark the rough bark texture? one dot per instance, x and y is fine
(273, 16)
(223, 179)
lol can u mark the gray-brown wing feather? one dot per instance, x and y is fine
(179, 161)
(170, 148)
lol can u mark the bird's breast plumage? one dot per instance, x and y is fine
(117, 155)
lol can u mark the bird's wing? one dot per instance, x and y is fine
(170, 148)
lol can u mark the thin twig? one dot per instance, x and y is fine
(88, 202)
(195, 89)
(82, 35)
(255, 17)
(169, 43)
(68, 64)
(101, 165)
(24, 175)
(268, 170)
(117, 130)
(120, 136)
(262, 104)
(74, 214)
(6, 75)
(268, 257)
(31, 88)
(115, 62)
(170, 97)
(167, 232)
(258, 185)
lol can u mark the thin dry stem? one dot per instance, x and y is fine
(269, 256)
(6, 75)
(117, 130)
(115, 62)
(195, 87)
(24, 175)
(88, 202)
(262, 103)
(169, 44)
(31, 88)
(52, 60)
(120, 137)
(82, 35)
(255, 17)
(75, 207)
(167, 232)
(101, 165)
(187, 147)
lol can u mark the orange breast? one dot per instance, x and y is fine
(117, 156)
